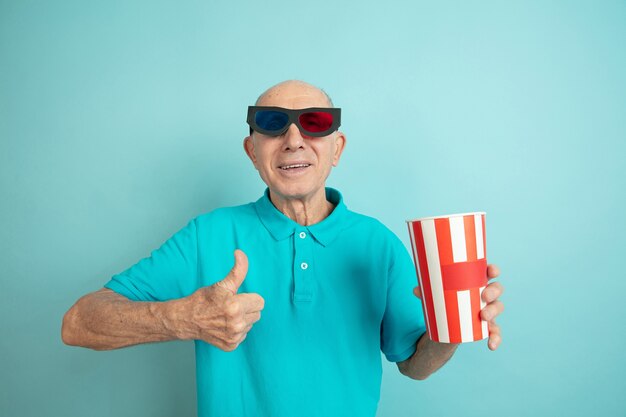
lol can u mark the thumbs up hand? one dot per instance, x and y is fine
(218, 314)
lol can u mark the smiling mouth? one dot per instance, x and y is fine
(294, 166)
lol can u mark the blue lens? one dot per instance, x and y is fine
(271, 120)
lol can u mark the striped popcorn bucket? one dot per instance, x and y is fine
(451, 263)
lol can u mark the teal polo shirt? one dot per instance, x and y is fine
(336, 293)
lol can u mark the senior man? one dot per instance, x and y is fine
(335, 288)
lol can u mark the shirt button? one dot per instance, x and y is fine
(304, 265)
(302, 235)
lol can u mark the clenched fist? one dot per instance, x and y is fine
(217, 314)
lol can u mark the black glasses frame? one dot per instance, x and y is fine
(294, 116)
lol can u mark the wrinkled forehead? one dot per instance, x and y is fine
(294, 96)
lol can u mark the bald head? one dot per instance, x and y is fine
(299, 149)
(291, 92)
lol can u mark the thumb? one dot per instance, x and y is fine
(235, 277)
(418, 292)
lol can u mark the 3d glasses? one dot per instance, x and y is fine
(274, 121)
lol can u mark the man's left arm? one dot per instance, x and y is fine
(429, 356)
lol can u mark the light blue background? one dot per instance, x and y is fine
(120, 121)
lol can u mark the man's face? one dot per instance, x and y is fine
(293, 165)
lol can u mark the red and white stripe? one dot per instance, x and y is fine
(450, 256)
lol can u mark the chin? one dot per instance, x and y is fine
(295, 192)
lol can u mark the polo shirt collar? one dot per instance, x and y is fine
(281, 226)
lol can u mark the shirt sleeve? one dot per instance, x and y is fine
(169, 272)
(403, 321)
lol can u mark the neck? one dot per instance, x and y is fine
(304, 211)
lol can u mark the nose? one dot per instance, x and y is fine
(293, 139)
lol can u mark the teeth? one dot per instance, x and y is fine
(294, 166)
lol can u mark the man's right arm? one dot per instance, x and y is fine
(105, 320)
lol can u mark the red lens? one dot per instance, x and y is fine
(317, 121)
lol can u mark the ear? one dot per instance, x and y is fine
(248, 146)
(340, 144)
